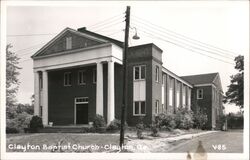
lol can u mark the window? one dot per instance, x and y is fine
(178, 95)
(81, 77)
(163, 79)
(189, 98)
(69, 43)
(199, 93)
(139, 72)
(41, 111)
(157, 107)
(184, 96)
(139, 108)
(157, 73)
(94, 75)
(171, 92)
(81, 100)
(67, 79)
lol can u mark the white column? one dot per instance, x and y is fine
(111, 92)
(45, 98)
(37, 93)
(99, 89)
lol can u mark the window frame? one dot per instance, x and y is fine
(139, 114)
(140, 72)
(69, 79)
(82, 72)
(198, 94)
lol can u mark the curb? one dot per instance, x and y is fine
(191, 136)
(188, 136)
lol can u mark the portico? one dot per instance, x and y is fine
(97, 56)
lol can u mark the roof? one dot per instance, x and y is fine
(147, 45)
(81, 32)
(172, 74)
(84, 30)
(200, 78)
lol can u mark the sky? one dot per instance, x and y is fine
(222, 24)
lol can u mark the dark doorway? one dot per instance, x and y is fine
(81, 113)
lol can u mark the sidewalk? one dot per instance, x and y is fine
(157, 144)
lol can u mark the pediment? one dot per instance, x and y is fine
(78, 41)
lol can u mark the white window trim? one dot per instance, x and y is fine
(68, 79)
(86, 102)
(198, 94)
(83, 72)
(139, 109)
(140, 79)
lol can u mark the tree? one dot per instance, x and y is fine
(235, 92)
(12, 72)
(12, 82)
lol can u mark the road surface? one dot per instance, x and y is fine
(218, 142)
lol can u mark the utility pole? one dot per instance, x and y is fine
(124, 99)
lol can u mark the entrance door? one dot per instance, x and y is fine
(81, 113)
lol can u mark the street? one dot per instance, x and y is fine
(218, 142)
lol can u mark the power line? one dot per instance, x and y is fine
(152, 36)
(195, 44)
(183, 36)
(190, 45)
(107, 23)
(108, 26)
(108, 19)
(115, 32)
(28, 48)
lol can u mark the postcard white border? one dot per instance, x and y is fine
(41, 156)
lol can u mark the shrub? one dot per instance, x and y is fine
(154, 130)
(11, 130)
(115, 125)
(35, 123)
(165, 120)
(184, 118)
(139, 128)
(99, 121)
(200, 120)
(235, 121)
(18, 123)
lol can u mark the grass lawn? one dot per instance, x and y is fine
(62, 142)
